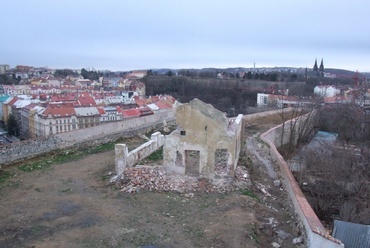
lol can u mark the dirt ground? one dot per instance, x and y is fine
(73, 205)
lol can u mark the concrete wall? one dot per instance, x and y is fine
(316, 233)
(112, 128)
(254, 116)
(90, 136)
(124, 159)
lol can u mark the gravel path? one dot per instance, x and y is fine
(259, 150)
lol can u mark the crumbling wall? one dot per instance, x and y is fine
(192, 162)
(124, 159)
(316, 233)
(221, 161)
(211, 132)
(179, 155)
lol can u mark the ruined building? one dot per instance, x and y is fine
(206, 143)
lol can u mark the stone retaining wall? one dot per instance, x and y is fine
(83, 137)
(316, 233)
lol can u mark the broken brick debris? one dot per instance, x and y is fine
(155, 178)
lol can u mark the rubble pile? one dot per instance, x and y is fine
(154, 178)
(242, 179)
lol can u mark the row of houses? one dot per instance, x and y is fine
(327, 94)
(67, 87)
(66, 113)
(41, 80)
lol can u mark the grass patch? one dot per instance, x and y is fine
(39, 165)
(37, 229)
(156, 156)
(65, 156)
(249, 193)
(5, 175)
(254, 234)
(65, 190)
(105, 177)
(103, 147)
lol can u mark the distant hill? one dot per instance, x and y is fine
(366, 74)
(340, 73)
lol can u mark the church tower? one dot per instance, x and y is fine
(321, 68)
(315, 66)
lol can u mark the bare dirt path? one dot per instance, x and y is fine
(257, 150)
(73, 205)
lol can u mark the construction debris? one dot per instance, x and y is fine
(154, 178)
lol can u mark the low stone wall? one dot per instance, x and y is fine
(316, 233)
(124, 159)
(89, 136)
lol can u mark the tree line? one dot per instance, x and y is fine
(230, 96)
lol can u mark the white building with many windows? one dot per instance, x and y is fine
(326, 91)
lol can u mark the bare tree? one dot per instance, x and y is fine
(302, 117)
(337, 183)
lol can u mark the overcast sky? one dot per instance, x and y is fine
(138, 34)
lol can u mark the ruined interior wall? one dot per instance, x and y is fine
(124, 159)
(156, 141)
(174, 155)
(316, 233)
(238, 139)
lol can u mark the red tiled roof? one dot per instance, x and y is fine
(140, 102)
(127, 113)
(86, 100)
(154, 99)
(162, 105)
(11, 103)
(60, 98)
(168, 99)
(59, 111)
(119, 109)
(101, 111)
(145, 111)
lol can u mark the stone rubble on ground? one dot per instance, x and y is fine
(155, 178)
(298, 240)
(282, 234)
(277, 183)
(263, 189)
(275, 245)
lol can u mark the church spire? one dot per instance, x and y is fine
(315, 66)
(321, 69)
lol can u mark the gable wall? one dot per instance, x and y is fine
(207, 134)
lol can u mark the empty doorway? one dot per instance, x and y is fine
(192, 162)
